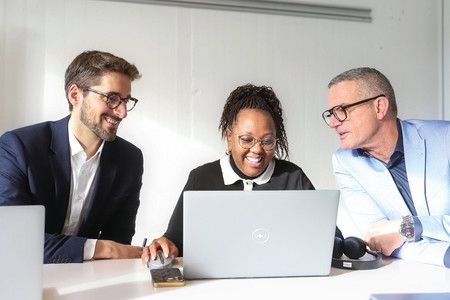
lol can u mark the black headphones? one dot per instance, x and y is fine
(354, 250)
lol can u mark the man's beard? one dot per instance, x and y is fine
(88, 120)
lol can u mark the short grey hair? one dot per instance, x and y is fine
(371, 83)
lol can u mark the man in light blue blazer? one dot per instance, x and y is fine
(394, 175)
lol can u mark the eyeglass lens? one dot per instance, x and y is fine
(338, 112)
(114, 101)
(248, 142)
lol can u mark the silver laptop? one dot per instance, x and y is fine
(234, 234)
(22, 251)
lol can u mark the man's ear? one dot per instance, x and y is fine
(75, 94)
(381, 107)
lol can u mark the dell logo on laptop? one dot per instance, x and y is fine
(260, 235)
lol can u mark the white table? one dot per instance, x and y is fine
(128, 279)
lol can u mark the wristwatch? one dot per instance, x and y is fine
(407, 229)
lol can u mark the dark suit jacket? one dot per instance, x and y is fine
(35, 170)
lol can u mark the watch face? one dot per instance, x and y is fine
(408, 232)
(407, 228)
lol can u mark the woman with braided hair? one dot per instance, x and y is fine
(252, 124)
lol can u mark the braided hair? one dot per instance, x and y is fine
(256, 97)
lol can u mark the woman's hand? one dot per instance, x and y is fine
(162, 243)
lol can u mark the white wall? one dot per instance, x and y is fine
(191, 59)
(446, 57)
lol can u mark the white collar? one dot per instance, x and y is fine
(230, 177)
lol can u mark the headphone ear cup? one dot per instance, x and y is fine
(338, 248)
(354, 247)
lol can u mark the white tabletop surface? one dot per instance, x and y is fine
(129, 279)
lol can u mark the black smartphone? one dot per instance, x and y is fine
(167, 277)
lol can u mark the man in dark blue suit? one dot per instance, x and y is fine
(88, 179)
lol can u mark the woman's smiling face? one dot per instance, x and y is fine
(257, 124)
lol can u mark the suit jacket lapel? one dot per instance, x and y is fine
(414, 148)
(59, 158)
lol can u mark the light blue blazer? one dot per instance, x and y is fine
(369, 193)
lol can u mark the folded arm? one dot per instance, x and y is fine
(379, 222)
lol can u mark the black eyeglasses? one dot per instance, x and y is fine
(113, 100)
(247, 142)
(339, 111)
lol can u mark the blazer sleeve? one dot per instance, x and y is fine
(60, 248)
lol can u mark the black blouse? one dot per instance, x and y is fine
(286, 176)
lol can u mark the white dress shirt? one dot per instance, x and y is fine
(83, 174)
